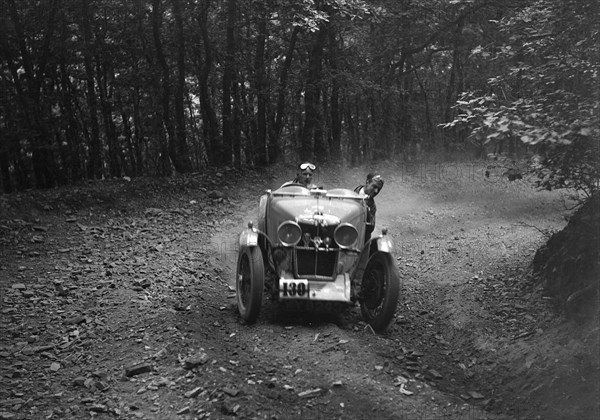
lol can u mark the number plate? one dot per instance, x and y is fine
(293, 289)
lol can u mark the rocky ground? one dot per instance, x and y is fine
(117, 302)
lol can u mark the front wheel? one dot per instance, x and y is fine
(380, 290)
(249, 284)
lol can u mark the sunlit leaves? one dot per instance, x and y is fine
(546, 92)
(310, 14)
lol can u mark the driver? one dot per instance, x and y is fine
(304, 175)
(372, 187)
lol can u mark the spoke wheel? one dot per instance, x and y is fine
(250, 279)
(380, 290)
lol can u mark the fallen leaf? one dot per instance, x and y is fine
(310, 393)
(475, 395)
(405, 391)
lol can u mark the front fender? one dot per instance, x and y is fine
(381, 243)
(262, 211)
(249, 237)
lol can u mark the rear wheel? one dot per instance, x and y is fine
(380, 290)
(250, 280)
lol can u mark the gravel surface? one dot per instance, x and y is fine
(117, 302)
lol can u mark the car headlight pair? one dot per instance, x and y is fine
(290, 233)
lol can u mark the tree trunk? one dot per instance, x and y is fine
(198, 154)
(260, 151)
(312, 93)
(73, 161)
(236, 126)
(353, 134)
(95, 154)
(428, 123)
(250, 127)
(42, 154)
(138, 134)
(165, 95)
(209, 116)
(131, 169)
(455, 73)
(335, 114)
(5, 166)
(183, 154)
(114, 149)
(228, 80)
(320, 144)
(274, 140)
(163, 164)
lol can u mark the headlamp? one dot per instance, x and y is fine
(289, 233)
(345, 235)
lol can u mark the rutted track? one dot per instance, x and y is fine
(101, 285)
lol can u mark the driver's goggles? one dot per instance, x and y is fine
(304, 166)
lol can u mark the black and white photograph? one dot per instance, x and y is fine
(303, 209)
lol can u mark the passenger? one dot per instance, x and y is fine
(304, 175)
(371, 188)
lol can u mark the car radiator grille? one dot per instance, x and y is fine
(313, 263)
(310, 263)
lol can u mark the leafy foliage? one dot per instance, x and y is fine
(546, 92)
(101, 88)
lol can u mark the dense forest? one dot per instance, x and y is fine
(105, 88)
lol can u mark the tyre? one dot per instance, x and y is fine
(249, 284)
(380, 290)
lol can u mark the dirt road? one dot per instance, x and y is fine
(118, 302)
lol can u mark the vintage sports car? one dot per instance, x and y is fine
(310, 246)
